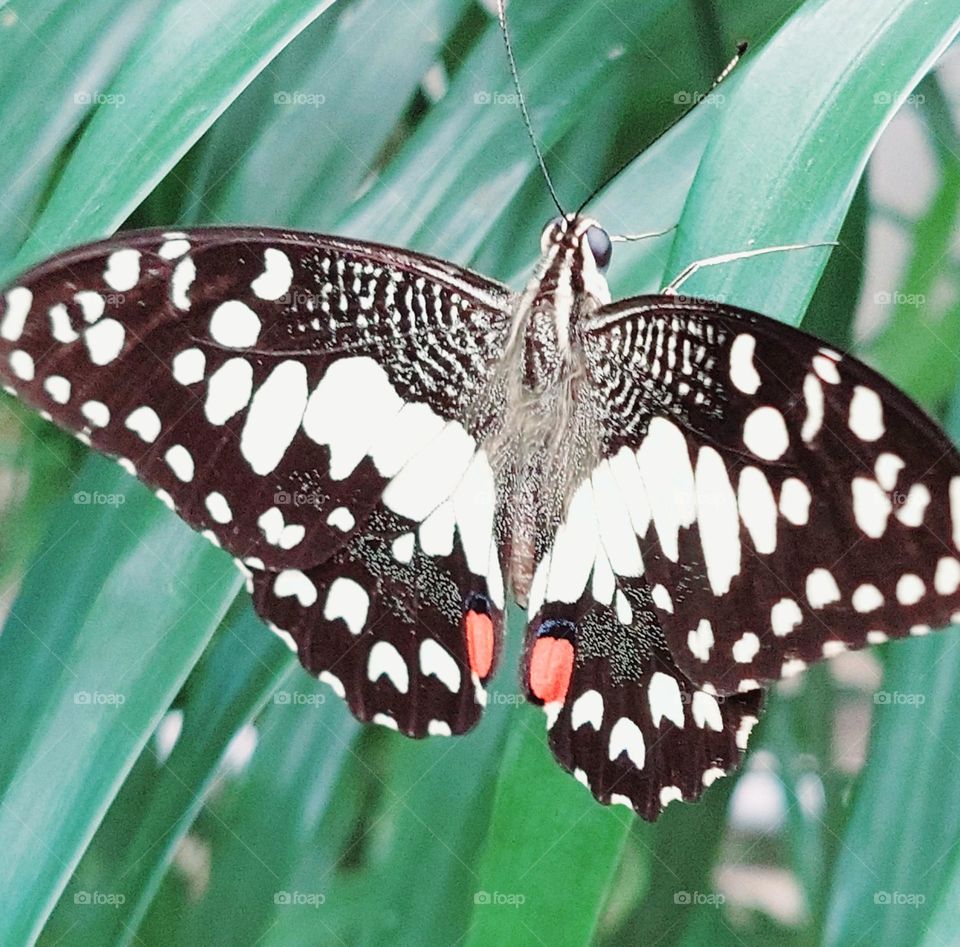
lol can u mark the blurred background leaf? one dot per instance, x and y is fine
(232, 800)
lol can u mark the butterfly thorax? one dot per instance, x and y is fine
(550, 434)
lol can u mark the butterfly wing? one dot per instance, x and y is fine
(622, 716)
(293, 397)
(788, 502)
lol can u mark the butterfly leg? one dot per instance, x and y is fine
(674, 285)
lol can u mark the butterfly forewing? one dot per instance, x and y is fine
(788, 503)
(301, 400)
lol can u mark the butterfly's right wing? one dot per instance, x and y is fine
(298, 398)
(788, 501)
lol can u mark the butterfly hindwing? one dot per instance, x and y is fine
(622, 717)
(397, 621)
(787, 501)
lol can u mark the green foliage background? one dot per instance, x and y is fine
(274, 819)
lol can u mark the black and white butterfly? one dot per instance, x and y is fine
(690, 500)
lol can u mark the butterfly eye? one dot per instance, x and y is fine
(600, 246)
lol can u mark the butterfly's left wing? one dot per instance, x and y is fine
(303, 400)
(785, 502)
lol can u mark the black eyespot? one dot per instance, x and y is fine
(479, 603)
(600, 246)
(558, 628)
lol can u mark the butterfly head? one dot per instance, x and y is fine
(576, 252)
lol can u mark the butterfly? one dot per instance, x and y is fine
(689, 500)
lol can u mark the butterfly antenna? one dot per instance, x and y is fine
(697, 99)
(502, 16)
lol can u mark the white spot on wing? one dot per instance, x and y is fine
(743, 373)
(617, 536)
(189, 366)
(663, 693)
(436, 531)
(21, 364)
(813, 396)
(58, 388)
(866, 414)
(180, 461)
(765, 433)
(701, 641)
(871, 506)
(218, 507)
(96, 412)
(228, 390)
(587, 709)
(915, 505)
(574, 548)
(822, 588)
(145, 423)
(19, 300)
(474, 502)
(910, 589)
(384, 659)
(342, 519)
(706, 711)
(276, 278)
(402, 547)
(946, 580)
(665, 468)
(717, 518)
(351, 406)
(183, 276)
(758, 509)
(348, 600)
(626, 737)
(273, 420)
(795, 501)
(436, 660)
(745, 649)
(123, 270)
(296, 583)
(234, 325)
(866, 598)
(104, 341)
(785, 616)
(60, 326)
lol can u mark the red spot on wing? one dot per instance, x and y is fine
(551, 666)
(479, 642)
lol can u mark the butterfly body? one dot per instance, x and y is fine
(689, 500)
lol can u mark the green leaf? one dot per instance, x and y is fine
(797, 127)
(161, 797)
(186, 69)
(144, 579)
